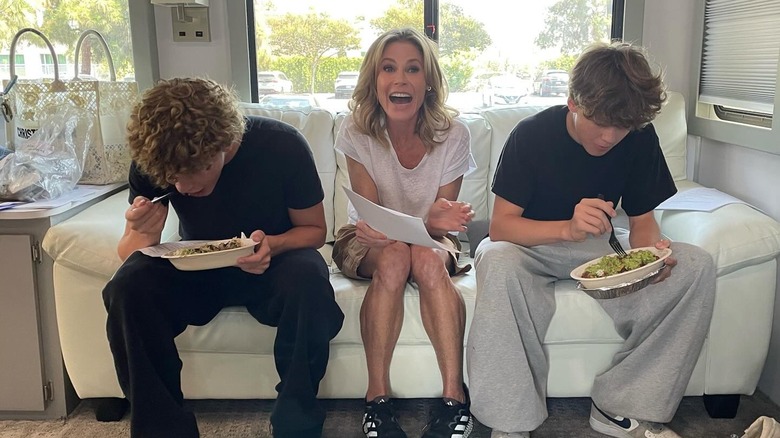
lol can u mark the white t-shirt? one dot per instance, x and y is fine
(410, 191)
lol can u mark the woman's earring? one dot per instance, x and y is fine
(429, 88)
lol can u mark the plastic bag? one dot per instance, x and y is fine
(51, 161)
(763, 427)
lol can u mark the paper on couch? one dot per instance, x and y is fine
(700, 199)
(393, 224)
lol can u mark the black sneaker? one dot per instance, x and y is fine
(379, 420)
(450, 419)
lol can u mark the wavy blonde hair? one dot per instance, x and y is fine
(614, 85)
(434, 116)
(180, 125)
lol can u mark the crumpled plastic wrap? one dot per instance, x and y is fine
(49, 163)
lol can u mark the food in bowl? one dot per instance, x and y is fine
(200, 255)
(615, 264)
(621, 278)
(207, 247)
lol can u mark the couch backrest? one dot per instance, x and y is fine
(489, 130)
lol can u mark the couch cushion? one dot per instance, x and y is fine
(476, 184)
(87, 241)
(672, 131)
(736, 235)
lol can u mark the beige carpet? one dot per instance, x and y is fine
(249, 418)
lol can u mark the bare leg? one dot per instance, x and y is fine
(382, 312)
(443, 315)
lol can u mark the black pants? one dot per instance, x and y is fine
(149, 303)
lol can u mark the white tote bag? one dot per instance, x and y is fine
(27, 100)
(108, 160)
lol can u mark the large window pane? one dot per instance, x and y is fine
(493, 52)
(497, 53)
(319, 45)
(63, 25)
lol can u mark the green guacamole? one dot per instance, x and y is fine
(614, 264)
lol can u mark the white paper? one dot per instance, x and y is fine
(74, 195)
(165, 248)
(5, 205)
(394, 224)
(700, 199)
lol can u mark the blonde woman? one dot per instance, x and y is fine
(405, 151)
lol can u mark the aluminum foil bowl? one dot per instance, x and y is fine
(622, 289)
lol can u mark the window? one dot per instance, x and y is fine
(313, 41)
(5, 65)
(47, 65)
(62, 26)
(739, 59)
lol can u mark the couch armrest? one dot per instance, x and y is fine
(736, 235)
(87, 241)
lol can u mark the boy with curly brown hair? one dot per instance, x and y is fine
(228, 174)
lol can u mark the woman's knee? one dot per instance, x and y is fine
(393, 265)
(428, 267)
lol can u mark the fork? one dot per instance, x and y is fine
(613, 242)
(161, 197)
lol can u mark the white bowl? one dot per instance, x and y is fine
(623, 277)
(212, 260)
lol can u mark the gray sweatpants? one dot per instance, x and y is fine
(664, 326)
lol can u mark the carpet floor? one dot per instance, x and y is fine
(249, 418)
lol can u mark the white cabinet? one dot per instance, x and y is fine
(22, 379)
(33, 381)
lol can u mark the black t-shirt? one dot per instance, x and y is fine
(273, 170)
(544, 171)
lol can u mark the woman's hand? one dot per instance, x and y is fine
(670, 262)
(445, 216)
(258, 262)
(370, 237)
(146, 218)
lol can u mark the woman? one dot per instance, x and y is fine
(406, 152)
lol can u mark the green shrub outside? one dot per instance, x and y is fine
(298, 70)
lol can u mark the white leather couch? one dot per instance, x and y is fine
(231, 357)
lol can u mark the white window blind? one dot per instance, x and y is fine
(740, 54)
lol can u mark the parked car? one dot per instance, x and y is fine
(345, 84)
(551, 82)
(504, 89)
(288, 101)
(273, 82)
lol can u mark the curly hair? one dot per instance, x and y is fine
(434, 116)
(180, 125)
(614, 85)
